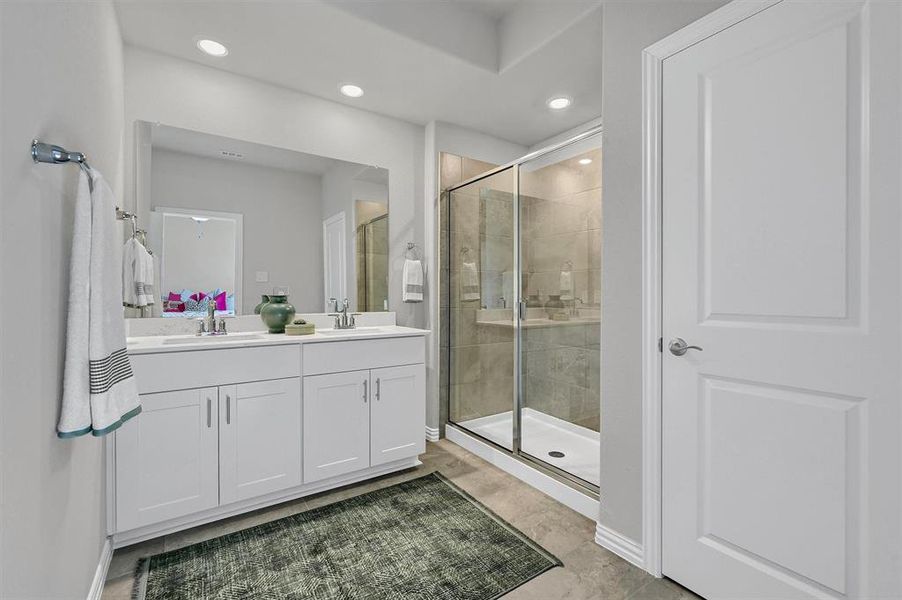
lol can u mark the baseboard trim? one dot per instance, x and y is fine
(627, 549)
(103, 565)
(432, 434)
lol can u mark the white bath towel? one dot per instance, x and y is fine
(137, 275)
(566, 285)
(99, 391)
(412, 279)
(469, 281)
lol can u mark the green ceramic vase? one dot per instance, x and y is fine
(277, 313)
(260, 306)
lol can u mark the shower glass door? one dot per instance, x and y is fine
(522, 264)
(560, 254)
(481, 300)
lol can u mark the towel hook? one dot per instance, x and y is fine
(412, 249)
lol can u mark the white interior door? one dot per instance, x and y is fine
(335, 266)
(259, 438)
(781, 257)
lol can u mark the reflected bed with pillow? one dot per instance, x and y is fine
(191, 304)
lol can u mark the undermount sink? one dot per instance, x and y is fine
(359, 330)
(203, 339)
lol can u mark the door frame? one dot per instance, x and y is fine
(652, 298)
(342, 256)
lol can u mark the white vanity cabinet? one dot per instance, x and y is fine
(259, 438)
(397, 412)
(336, 424)
(370, 413)
(193, 450)
(362, 419)
(167, 458)
(224, 430)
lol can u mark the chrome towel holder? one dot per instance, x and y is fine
(56, 155)
(42, 152)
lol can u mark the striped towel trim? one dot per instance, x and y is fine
(413, 288)
(107, 372)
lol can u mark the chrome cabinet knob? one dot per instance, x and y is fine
(679, 347)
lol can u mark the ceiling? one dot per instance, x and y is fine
(175, 139)
(489, 65)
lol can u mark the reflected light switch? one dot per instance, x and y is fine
(262, 276)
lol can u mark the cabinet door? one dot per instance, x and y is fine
(259, 438)
(167, 457)
(336, 424)
(398, 415)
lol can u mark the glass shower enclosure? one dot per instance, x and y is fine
(521, 284)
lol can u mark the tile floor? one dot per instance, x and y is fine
(589, 571)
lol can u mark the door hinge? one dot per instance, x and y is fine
(660, 344)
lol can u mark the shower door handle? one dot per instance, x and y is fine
(522, 310)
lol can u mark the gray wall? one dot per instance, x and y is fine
(51, 490)
(629, 27)
(283, 224)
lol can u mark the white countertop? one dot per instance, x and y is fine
(246, 339)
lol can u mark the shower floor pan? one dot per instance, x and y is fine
(546, 438)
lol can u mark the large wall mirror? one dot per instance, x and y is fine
(231, 222)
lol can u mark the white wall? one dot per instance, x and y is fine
(184, 94)
(445, 137)
(628, 28)
(62, 82)
(283, 221)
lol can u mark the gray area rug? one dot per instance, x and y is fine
(420, 539)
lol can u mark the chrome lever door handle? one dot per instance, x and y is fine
(679, 347)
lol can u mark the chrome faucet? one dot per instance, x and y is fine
(343, 320)
(211, 317)
(208, 326)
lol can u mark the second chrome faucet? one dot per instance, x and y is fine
(343, 320)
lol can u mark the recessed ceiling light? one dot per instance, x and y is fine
(585, 161)
(351, 91)
(559, 102)
(212, 47)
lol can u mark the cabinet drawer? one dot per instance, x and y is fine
(354, 355)
(203, 368)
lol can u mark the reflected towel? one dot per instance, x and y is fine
(137, 275)
(99, 390)
(412, 280)
(469, 281)
(566, 285)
